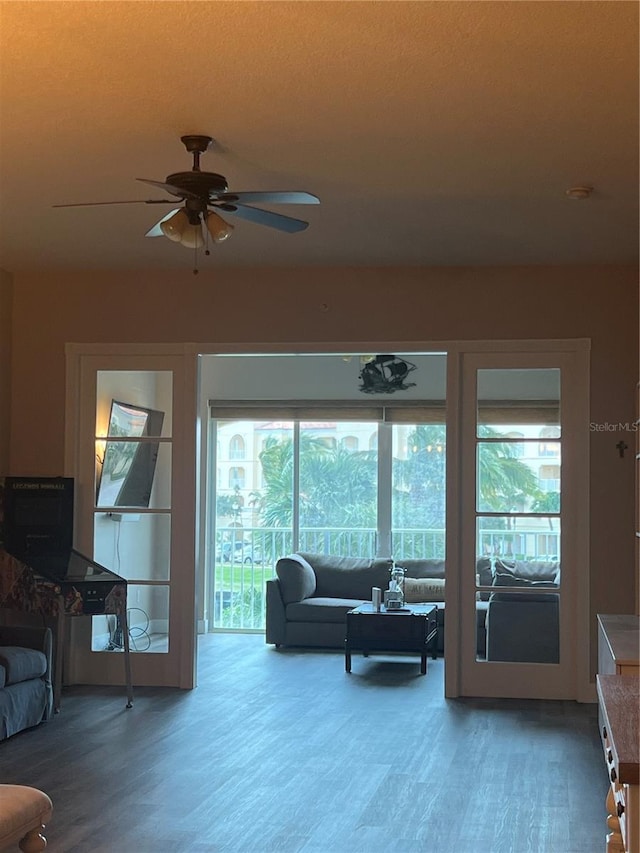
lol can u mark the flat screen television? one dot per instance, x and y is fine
(129, 461)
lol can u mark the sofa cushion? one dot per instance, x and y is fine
(319, 609)
(533, 570)
(507, 579)
(347, 577)
(3, 676)
(423, 589)
(21, 664)
(297, 578)
(427, 568)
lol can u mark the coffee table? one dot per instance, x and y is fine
(412, 630)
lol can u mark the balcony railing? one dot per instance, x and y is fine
(245, 558)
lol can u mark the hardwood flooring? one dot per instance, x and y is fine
(283, 751)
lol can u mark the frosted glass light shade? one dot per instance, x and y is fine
(192, 236)
(175, 225)
(218, 228)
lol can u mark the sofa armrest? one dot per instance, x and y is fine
(33, 637)
(275, 614)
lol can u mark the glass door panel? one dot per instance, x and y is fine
(251, 475)
(338, 493)
(517, 518)
(135, 546)
(132, 512)
(419, 494)
(147, 619)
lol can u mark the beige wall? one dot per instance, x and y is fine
(6, 292)
(347, 304)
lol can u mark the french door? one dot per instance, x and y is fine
(521, 552)
(131, 451)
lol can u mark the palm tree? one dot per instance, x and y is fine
(337, 487)
(505, 484)
(419, 480)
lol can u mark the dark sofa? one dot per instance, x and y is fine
(26, 693)
(307, 601)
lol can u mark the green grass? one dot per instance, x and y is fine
(240, 576)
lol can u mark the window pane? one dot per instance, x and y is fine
(513, 538)
(134, 474)
(512, 477)
(511, 400)
(338, 489)
(148, 618)
(145, 388)
(418, 497)
(134, 545)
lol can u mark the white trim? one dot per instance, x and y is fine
(452, 685)
(445, 347)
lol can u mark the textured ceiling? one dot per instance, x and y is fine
(433, 132)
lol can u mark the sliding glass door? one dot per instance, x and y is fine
(347, 482)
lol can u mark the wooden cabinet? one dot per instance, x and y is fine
(618, 685)
(619, 706)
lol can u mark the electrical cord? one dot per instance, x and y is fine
(139, 636)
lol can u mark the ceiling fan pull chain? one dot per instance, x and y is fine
(205, 231)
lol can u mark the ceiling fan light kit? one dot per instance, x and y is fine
(201, 191)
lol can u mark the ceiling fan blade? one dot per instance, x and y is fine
(132, 201)
(270, 197)
(169, 188)
(265, 217)
(156, 231)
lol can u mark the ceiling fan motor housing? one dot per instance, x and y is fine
(207, 185)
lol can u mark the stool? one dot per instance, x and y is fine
(23, 813)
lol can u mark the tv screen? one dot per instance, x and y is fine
(128, 466)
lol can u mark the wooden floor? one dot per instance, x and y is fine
(282, 751)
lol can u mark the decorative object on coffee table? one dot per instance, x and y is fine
(394, 596)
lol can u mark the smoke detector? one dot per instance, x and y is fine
(579, 192)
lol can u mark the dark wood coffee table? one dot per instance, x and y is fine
(412, 630)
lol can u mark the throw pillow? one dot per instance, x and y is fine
(417, 590)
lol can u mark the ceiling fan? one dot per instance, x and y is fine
(203, 194)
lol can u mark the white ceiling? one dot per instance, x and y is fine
(433, 132)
